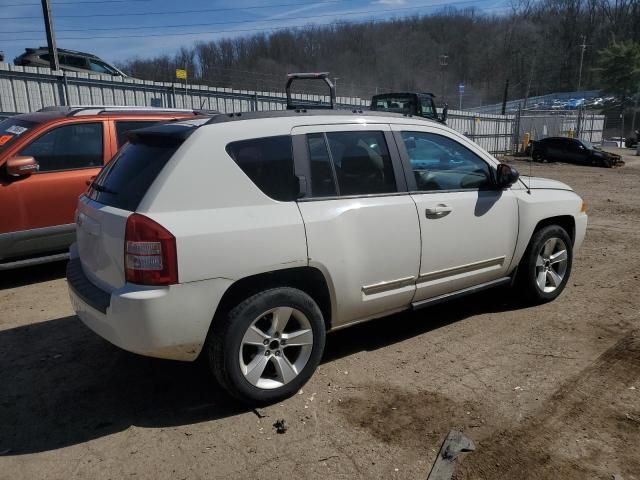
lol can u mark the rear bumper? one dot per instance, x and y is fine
(165, 322)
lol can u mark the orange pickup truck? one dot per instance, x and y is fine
(47, 160)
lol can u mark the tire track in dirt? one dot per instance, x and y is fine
(592, 419)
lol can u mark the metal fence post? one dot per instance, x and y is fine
(515, 129)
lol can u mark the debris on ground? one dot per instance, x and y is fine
(455, 444)
(280, 426)
(260, 413)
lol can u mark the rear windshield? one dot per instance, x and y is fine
(11, 129)
(125, 180)
(399, 104)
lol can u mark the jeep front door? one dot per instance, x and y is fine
(468, 227)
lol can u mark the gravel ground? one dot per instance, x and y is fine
(548, 392)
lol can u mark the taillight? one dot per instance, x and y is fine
(149, 252)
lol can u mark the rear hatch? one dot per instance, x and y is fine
(115, 194)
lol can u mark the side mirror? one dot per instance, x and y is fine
(22, 166)
(507, 175)
(445, 111)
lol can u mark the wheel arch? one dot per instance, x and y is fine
(567, 222)
(308, 279)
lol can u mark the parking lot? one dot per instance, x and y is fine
(545, 392)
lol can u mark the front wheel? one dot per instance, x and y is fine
(268, 346)
(546, 265)
(537, 156)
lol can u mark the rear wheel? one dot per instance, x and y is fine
(268, 346)
(546, 265)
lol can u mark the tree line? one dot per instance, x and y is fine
(536, 45)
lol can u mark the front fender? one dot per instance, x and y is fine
(539, 205)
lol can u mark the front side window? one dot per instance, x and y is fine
(441, 163)
(268, 162)
(68, 147)
(100, 67)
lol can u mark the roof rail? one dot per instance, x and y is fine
(79, 110)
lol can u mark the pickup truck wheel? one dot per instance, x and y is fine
(268, 346)
(546, 265)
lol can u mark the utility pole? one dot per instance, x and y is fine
(583, 47)
(504, 97)
(444, 61)
(51, 38)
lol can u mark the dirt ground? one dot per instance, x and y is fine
(551, 392)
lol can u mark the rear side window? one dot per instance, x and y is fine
(125, 180)
(268, 162)
(126, 126)
(73, 61)
(323, 178)
(362, 163)
(68, 147)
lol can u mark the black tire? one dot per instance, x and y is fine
(606, 163)
(537, 156)
(528, 271)
(225, 343)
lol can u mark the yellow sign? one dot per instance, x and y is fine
(181, 74)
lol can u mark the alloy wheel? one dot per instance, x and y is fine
(551, 265)
(276, 347)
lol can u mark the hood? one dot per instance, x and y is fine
(540, 183)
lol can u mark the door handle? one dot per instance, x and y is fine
(438, 211)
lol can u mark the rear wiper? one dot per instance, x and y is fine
(100, 188)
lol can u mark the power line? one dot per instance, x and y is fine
(305, 17)
(341, 14)
(175, 12)
(72, 3)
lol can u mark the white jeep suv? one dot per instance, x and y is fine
(247, 237)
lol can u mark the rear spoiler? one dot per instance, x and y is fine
(167, 134)
(302, 104)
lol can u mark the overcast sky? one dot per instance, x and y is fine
(119, 29)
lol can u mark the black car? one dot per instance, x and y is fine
(632, 141)
(572, 150)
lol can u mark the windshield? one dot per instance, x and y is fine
(587, 144)
(11, 129)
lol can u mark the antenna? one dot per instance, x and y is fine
(535, 134)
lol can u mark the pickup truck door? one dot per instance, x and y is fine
(361, 223)
(468, 227)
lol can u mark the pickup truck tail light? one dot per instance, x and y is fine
(150, 256)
